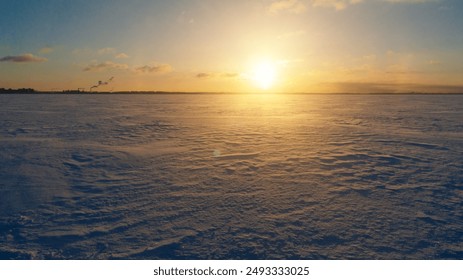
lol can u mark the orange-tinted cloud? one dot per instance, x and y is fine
(160, 68)
(107, 65)
(204, 75)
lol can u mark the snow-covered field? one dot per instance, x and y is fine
(231, 177)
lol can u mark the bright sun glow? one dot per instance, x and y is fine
(264, 74)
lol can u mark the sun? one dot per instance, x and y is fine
(264, 74)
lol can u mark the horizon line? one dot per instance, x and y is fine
(153, 92)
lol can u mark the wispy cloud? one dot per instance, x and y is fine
(229, 75)
(121, 55)
(113, 52)
(411, 1)
(299, 6)
(204, 75)
(111, 65)
(336, 4)
(106, 51)
(292, 6)
(104, 66)
(160, 69)
(103, 52)
(209, 75)
(434, 62)
(23, 58)
(45, 50)
(185, 18)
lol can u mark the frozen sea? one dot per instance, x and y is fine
(231, 176)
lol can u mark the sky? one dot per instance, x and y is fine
(233, 46)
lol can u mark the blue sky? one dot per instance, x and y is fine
(213, 45)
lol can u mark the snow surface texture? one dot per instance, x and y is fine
(231, 177)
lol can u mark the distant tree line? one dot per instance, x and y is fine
(19, 90)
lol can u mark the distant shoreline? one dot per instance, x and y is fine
(15, 92)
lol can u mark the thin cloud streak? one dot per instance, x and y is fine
(300, 6)
(160, 69)
(23, 58)
(204, 75)
(107, 65)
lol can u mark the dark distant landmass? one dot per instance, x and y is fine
(19, 90)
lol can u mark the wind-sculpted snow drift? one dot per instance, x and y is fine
(231, 177)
